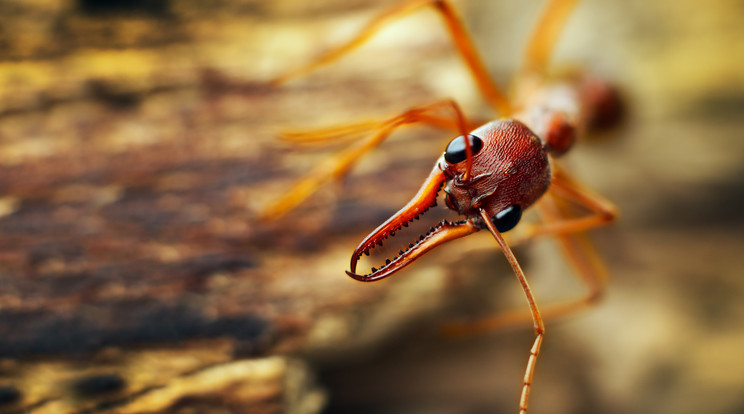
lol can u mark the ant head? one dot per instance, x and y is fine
(508, 173)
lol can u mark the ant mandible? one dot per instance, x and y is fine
(492, 173)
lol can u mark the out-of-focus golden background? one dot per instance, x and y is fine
(138, 141)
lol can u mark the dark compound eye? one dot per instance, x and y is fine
(455, 151)
(507, 218)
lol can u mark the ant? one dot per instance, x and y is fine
(490, 174)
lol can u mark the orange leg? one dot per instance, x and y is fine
(342, 162)
(546, 33)
(461, 39)
(583, 257)
(328, 134)
(534, 313)
(353, 130)
(565, 187)
(569, 232)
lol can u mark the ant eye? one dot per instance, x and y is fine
(507, 218)
(455, 151)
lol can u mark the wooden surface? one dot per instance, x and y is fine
(201, 376)
(135, 150)
(132, 161)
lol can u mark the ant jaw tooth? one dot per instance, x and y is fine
(374, 270)
(387, 261)
(366, 252)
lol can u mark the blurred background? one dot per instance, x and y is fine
(139, 140)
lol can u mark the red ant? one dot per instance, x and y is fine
(490, 175)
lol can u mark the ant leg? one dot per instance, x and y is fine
(537, 320)
(461, 39)
(334, 133)
(564, 187)
(343, 161)
(353, 130)
(570, 233)
(582, 255)
(546, 33)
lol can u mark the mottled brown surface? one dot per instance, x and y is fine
(201, 376)
(132, 161)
